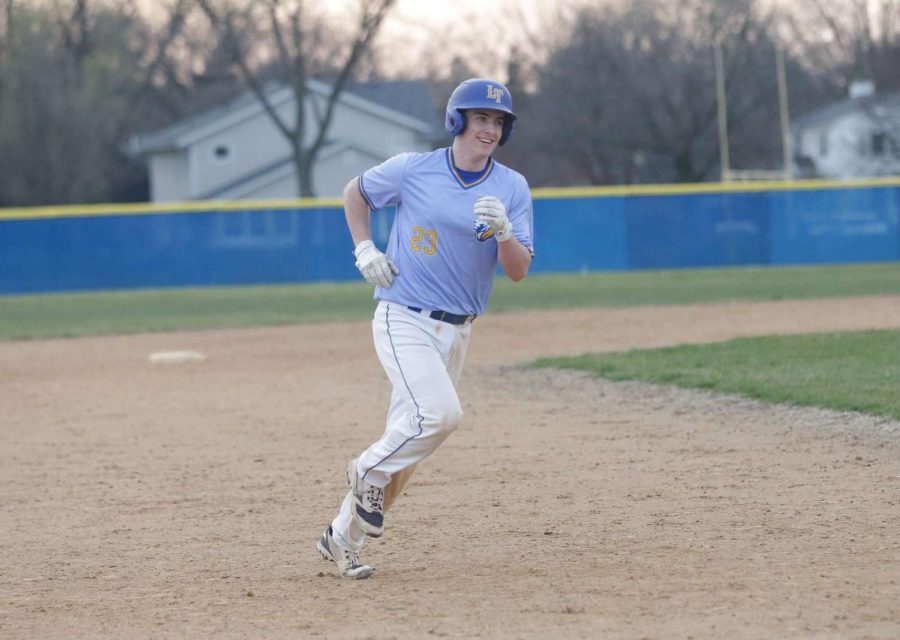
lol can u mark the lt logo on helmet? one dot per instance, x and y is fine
(494, 93)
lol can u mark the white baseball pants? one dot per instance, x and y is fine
(423, 359)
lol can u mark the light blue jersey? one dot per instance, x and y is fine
(442, 264)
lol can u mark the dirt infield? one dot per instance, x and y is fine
(143, 500)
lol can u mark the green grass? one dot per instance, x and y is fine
(694, 286)
(80, 314)
(841, 371)
(62, 315)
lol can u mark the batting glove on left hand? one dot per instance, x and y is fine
(492, 212)
(374, 266)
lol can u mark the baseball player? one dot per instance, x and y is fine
(459, 213)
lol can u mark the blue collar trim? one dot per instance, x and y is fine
(468, 179)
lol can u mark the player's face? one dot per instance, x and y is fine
(484, 127)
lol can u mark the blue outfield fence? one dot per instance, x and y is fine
(576, 230)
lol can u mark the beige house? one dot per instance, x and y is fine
(235, 152)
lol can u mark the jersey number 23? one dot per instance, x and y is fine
(424, 240)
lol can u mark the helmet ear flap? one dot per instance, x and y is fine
(509, 125)
(455, 122)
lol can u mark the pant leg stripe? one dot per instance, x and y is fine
(419, 416)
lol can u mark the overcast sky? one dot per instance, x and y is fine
(462, 25)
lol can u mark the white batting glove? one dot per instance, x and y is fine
(374, 265)
(491, 211)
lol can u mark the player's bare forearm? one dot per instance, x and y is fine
(356, 210)
(515, 258)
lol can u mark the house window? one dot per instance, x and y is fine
(879, 142)
(823, 143)
(221, 152)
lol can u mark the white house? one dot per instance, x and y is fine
(236, 152)
(856, 138)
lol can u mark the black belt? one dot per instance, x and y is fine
(445, 316)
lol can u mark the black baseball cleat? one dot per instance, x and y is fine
(369, 508)
(347, 562)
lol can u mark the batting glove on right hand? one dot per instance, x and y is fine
(491, 211)
(374, 265)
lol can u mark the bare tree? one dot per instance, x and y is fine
(6, 13)
(160, 49)
(629, 94)
(74, 80)
(295, 38)
(76, 37)
(6, 28)
(861, 41)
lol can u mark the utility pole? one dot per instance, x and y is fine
(787, 145)
(722, 113)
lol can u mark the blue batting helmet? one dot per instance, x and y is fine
(479, 93)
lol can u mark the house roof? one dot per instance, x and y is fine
(405, 103)
(412, 97)
(836, 110)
